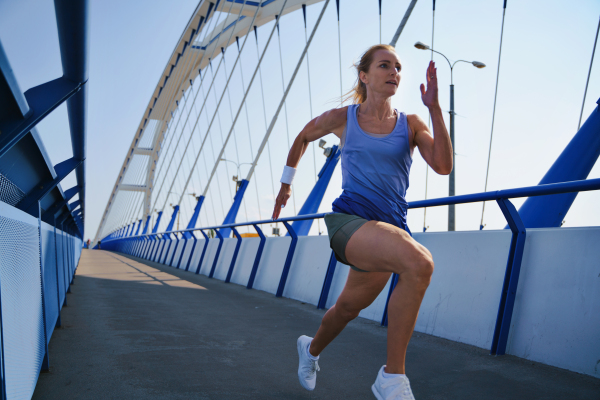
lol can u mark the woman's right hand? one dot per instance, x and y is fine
(282, 198)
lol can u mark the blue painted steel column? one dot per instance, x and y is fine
(232, 214)
(574, 163)
(203, 251)
(313, 201)
(327, 282)
(511, 277)
(148, 223)
(235, 254)
(259, 252)
(288, 260)
(187, 235)
(168, 235)
(212, 270)
(194, 219)
(156, 244)
(137, 231)
(157, 223)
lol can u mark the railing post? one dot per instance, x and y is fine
(46, 359)
(259, 252)
(288, 260)
(148, 242)
(183, 236)
(64, 258)
(511, 276)
(168, 235)
(212, 270)
(157, 244)
(58, 322)
(174, 250)
(235, 254)
(150, 247)
(203, 251)
(163, 239)
(187, 267)
(327, 282)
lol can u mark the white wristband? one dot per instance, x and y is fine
(288, 175)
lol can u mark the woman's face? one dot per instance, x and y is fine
(384, 73)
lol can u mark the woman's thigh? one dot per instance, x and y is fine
(382, 247)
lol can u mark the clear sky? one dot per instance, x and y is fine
(545, 60)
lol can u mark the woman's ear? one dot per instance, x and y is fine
(363, 77)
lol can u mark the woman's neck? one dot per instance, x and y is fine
(378, 107)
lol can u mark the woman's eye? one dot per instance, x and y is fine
(398, 69)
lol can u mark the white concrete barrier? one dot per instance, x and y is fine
(556, 318)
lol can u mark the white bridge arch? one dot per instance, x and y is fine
(183, 67)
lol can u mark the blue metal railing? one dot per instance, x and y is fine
(147, 246)
(40, 231)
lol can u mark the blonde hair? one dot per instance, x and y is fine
(358, 94)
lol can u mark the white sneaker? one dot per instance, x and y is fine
(397, 388)
(307, 368)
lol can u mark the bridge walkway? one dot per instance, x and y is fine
(138, 329)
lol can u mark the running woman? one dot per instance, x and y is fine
(367, 229)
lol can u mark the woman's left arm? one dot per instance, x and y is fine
(436, 150)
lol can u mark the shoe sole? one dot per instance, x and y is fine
(377, 395)
(300, 349)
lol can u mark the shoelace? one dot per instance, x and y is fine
(403, 389)
(314, 366)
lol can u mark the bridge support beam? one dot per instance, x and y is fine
(187, 235)
(313, 201)
(574, 163)
(168, 235)
(235, 207)
(147, 223)
(137, 231)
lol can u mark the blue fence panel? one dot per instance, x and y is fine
(60, 263)
(21, 307)
(51, 301)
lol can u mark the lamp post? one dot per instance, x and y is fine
(451, 184)
(235, 178)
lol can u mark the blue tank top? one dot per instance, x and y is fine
(375, 172)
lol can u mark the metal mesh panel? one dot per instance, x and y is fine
(9, 192)
(59, 242)
(20, 285)
(50, 279)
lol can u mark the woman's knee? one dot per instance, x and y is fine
(419, 270)
(345, 312)
(422, 269)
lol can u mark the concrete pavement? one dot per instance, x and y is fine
(136, 329)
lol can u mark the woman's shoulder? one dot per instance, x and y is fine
(333, 119)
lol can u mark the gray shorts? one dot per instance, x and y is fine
(340, 227)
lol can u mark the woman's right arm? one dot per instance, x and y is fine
(332, 121)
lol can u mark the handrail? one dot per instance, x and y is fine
(528, 191)
(149, 248)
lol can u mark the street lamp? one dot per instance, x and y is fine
(235, 178)
(476, 64)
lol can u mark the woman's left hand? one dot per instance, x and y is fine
(430, 96)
